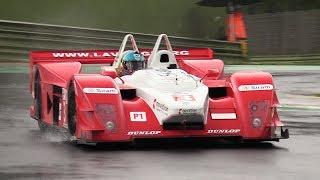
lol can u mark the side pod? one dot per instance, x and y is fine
(99, 111)
(255, 104)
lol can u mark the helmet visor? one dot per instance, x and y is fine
(134, 65)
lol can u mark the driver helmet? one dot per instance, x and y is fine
(132, 61)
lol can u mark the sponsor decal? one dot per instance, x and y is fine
(159, 106)
(105, 54)
(100, 90)
(70, 55)
(223, 116)
(84, 54)
(255, 87)
(143, 133)
(187, 111)
(176, 53)
(183, 97)
(183, 53)
(138, 116)
(223, 131)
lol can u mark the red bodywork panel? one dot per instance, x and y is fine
(234, 102)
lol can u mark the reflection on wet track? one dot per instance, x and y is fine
(25, 153)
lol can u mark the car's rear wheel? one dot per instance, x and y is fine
(37, 101)
(72, 119)
(42, 126)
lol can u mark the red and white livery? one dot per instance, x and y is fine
(181, 93)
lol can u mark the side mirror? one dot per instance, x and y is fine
(109, 72)
(213, 73)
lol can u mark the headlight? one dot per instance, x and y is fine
(256, 122)
(110, 125)
(254, 107)
(107, 115)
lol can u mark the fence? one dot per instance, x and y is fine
(285, 37)
(18, 38)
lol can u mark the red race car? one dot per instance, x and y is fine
(173, 94)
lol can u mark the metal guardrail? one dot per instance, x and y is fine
(302, 59)
(18, 38)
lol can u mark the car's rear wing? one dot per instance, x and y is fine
(108, 56)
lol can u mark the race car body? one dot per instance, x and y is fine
(180, 93)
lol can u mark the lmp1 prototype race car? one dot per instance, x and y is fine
(177, 93)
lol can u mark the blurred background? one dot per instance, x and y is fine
(178, 17)
(288, 30)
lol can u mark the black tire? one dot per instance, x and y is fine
(37, 95)
(42, 126)
(37, 101)
(72, 119)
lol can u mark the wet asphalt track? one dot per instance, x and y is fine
(25, 153)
